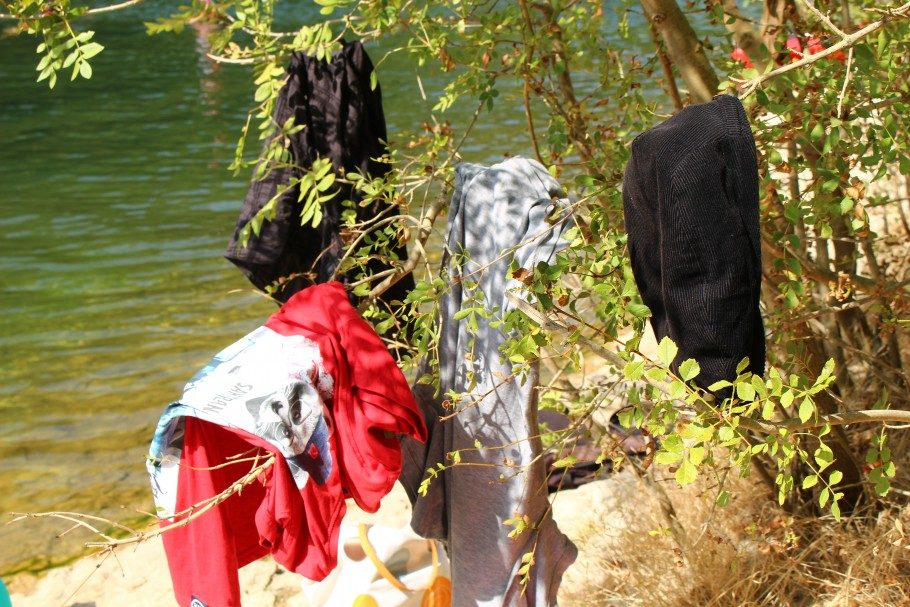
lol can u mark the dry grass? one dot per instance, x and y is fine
(748, 554)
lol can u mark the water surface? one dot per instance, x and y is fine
(115, 206)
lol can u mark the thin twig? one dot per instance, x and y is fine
(824, 19)
(91, 11)
(843, 90)
(192, 513)
(877, 416)
(230, 60)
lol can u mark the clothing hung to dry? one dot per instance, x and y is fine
(498, 214)
(316, 388)
(690, 197)
(343, 121)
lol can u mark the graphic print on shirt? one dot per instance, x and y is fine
(269, 385)
(282, 419)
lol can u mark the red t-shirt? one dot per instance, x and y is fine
(371, 404)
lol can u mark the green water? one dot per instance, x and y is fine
(115, 206)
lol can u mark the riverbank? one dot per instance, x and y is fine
(138, 574)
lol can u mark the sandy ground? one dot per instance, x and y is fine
(138, 576)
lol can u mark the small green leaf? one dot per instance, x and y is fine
(634, 370)
(806, 409)
(835, 477)
(723, 498)
(689, 369)
(786, 399)
(725, 433)
(666, 351)
(677, 390)
(810, 481)
(686, 473)
(656, 374)
(719, 385)
(91, 49)
(638, 310)
(742, 365)
(565, 462)
(745, 391)
(665, 458)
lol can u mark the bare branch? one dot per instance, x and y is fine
(843, 90)
(824, 19)
(191, 514)
(91, 11)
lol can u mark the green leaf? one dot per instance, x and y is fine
(91, 49)
(786, 399)
(818, 131)
(666, 351)
(745, 391)
(742, 365)
(656, 374)
(638, 310)
(85, 70)
(823, 496)
(665, 458)
(806, 409)
(719, 385)
(835, 477)
(810, 481)
(686, 473)
(262, 92)
(723, 498)
(823, 456)
(565, 462)
(689, 369)
(826, 372)
(633, 370)
(677, 390)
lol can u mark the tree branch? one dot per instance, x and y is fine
(91, 11)
(684, 47)
(876, 416)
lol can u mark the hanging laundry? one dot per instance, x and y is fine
(344, 122)
(690, 197)
(316, 388)
(508, 211)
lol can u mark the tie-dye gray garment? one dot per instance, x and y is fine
(511, 210)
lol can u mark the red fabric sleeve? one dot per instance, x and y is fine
(204, 555)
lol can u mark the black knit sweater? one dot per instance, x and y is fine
(690, 197)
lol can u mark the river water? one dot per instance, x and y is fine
(115, 206)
